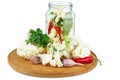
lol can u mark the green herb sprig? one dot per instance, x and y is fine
(38, 38)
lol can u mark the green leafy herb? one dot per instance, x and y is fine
(54, 48)
(60, 22)
(38, 38)
(51, 13)
(67, 23)
(55, 16)
(67, 40)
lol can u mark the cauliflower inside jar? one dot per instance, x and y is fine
(60, 22)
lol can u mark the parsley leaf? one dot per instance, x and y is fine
(38, 38)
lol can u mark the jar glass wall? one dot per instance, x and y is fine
(60, 17)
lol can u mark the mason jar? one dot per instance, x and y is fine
(61, 17)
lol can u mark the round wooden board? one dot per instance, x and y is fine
(25, 67)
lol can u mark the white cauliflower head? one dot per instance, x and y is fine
(79, 52)
(50, 49)
(65, 54)
(45, 58)
(53, 33)
(59, 46)
(27, 50)
(85, 52)
(56, 61)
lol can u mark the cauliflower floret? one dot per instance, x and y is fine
(42, 50)
(52, 33)
(56, 39)
(46, 58)
(79, 52)
(59, 12)
(50, 49)
(27, 50)
(65, 54)
(56, 61)
(76, 52)
(59, 46)
(70, 49)
(85, 52)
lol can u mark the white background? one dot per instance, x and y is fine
(97, 23)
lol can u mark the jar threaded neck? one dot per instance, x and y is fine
(60, 4)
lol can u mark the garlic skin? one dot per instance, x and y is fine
(69, 62)
(35, 60)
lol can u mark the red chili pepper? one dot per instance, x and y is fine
(58, 30)
(50, 26)
(88, 59)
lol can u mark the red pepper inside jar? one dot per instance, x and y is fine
(60, 22)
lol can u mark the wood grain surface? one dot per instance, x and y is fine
(25, 67)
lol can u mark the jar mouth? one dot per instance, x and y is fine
(60, 3)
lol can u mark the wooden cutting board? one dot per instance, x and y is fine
(25, 67)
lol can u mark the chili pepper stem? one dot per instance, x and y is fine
(99, 61)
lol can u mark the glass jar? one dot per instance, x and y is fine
(60, 17)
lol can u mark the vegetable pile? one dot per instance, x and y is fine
(45, 49)
(57, 48)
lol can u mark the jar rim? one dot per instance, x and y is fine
(60, 3)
